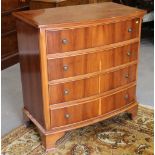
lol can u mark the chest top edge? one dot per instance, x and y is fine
(86, 14)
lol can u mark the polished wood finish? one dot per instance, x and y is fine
(73, 90)
(87, 15)
(88, 37)
(82, 64)
(50, 140)
(73, 66)
(9, 36)
(30, 70)
(73, 114)
(78, 70)
(117, 78)
(118, 100)
(84, 88)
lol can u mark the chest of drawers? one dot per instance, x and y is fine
(78, 65)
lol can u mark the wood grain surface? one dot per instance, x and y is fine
(88, 37)
(86, 14)
(78, 67)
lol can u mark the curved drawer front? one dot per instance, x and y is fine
(88, 63)
(70, 91)
(73, 66)
(73, 90)
(59, 41)
(87, 110)
(119, 56)
(118, 100)
(118, 78)
(73, 114)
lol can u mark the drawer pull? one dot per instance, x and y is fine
(65, 41)
(137, 21)
(130, 30)
(65, 67)
(126, 97)
(126, 76)
(66, 92)
(129, 53)
(67, 116)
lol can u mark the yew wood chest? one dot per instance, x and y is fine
(78, 65)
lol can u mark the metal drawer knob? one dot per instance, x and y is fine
(129, 53)
(126, 97)
(130, 30)
(126, 76)
(65, 67)
(65, 41)
(66, 92)
(67, 116)
(137, 21)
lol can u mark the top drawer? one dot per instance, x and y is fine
(87, 37)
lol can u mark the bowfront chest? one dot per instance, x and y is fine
(78, 65)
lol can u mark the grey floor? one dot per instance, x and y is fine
(12, 102)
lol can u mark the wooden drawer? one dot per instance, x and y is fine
(73, 66)
(118, 100)
(88, 63)
(74, 114)
(118, 78)
(8, 23)
(9, 43)
(73, 90)
(82, 38)
(119, 56)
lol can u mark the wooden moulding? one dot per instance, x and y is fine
(77, 19)
(89, 75)
(50, 137)
(91, 98)
(92, 50)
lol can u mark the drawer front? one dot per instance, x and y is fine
(118, 100)
(74, 114)
(118, 78)
(73, 66)
(89, 63)
(9, 43)
(8, 23)
(82, 38)
(73, 90)
(119, 56)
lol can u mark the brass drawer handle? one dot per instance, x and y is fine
(66, 92)
(65, 67)
(126, 76)
(126, 97)
(67, 116)
(129, 54)
(65, 41)
(130, 30)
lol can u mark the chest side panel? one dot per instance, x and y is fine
(28, 41)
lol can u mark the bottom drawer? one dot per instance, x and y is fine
(118, 100)
(73, 114)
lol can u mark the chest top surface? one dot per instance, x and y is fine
(89, 13)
